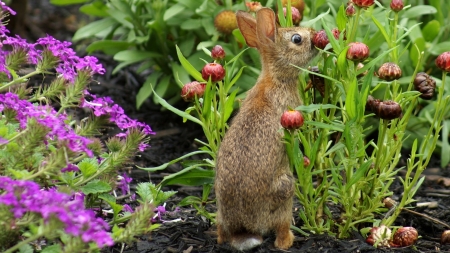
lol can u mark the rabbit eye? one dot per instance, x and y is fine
(296, 39)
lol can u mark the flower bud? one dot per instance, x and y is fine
(364, 3)
(387, 110)
(350, 10)
(320, 38)
(405, 236)
(296, 16)
(445, 237)
(443, 61)
(357, 51)
(380, 235)
(213, 70)
(425, 85)
(217, 53)
(291, 119)
(299, 4)
(192, 89)
(389, 203)
(306, 161)
(225, 22)
(389, 71)
(397, 5)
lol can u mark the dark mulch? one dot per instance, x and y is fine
(184, 230)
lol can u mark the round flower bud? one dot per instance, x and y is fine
(389, 203)
(320, 38)
(425, 85)
(405, 236)
(213, 70)
(397, 5)
(217, 53)
(291, 119)
(364, 3)
(299, 4)
(192, 89)
(388, 110)
(306, 161)
(225, 22)
(296, 16)
(389, 71)
(443, 61)
(350, 10)
(380, 235)
(357, 51)
(445, 237)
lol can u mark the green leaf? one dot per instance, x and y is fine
(129, 57)
(445, 147)
(96, 9)
(93, 29)
(189, 200)
(88, 167)
(188, 67)
(229, 105)
(162, 87)
(146, 90)
(350, 99)
(314, 107)
(173, 11)
(109, 47)
(418, 11)
(341, 18)
(381, 29)
(55, 248)
(431, 30)
(439, 48)
(314, 20)
(107, 197)
(334, 127)
(95, 187)
(416, 50)
(163, 166)
(192, 176)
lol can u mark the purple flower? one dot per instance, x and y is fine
(123, 184)
(70, 167)
(25, 197)
(105, 106)
(127, 208)
(6, 8)
(89, 63)
(46, 116)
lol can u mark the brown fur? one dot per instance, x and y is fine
(254, 185)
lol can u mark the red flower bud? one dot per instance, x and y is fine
(443, 61)
(217, 52)
(397, 5)
(291, 119)
(306, 161)
(425, 85)
(389, 71)
(296, 16)
(192, 89)
(213, 70)
(384, 109)
(320, 38)
(350, 10)
(357, 51)
(364, 3)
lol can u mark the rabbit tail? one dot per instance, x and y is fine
(245, 241)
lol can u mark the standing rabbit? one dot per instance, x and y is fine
(254, 185)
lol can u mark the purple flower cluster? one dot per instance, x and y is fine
(105, 106)
(26, 197)
(46, 116)
(123, 183)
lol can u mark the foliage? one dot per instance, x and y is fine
(54, 168)
(353, 152)
(145, 34)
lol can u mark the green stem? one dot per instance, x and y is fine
(394, 40)
(355, 25)
(22, 79)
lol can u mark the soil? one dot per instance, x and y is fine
(184, 230)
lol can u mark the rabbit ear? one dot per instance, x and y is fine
(247, 25)
(266, 26)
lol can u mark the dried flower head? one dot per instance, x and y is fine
(364, 3)
(217, 53)
(225, 22)
(397, 5)
(389, 71)
(192, 89)
(350, 9)
(425, 85)
(379, 236)
(405, 236)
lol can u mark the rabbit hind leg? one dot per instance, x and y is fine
(282, 226)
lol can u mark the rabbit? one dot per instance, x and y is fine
(254, 185)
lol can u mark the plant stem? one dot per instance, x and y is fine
(22, 79)
(26, 241)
